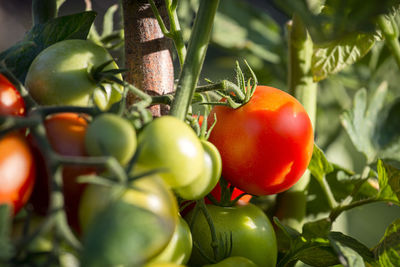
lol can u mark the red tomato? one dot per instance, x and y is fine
(216, 193)
(66, 134)
(266, 144)
(11, 102)
(17, 170)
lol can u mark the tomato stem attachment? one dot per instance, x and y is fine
(196, 53)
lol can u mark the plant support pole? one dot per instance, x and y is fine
(147, 51)
(196, 53)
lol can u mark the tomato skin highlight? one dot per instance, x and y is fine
(17, 170)
(265, 145)
(11, 102)
(203, 184)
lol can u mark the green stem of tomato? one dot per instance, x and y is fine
(214, 239)
(391, 34)
(328, 193)
(175, 31)
(43, 10)
(303, 87)
(196, 53)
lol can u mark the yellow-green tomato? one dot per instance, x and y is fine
(149, 193)
(59, 75)
(179, 247)
(208, 179)
(171, 144)
(164, 264)
(233, 262)
(109, 134)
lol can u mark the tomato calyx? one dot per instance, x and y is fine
(238, 95)
(227, 196)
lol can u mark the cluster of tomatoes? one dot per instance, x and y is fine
(261, 148)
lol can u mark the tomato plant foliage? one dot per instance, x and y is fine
(107, 175)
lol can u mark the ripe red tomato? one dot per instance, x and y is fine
(11, 102)
(266, 144)
(66, 134)
(17, 170)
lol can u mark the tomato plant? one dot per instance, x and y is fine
(184, 161)
(60, 75)
(66, 135)
(17, 170)
(149, 196)
(112, 135)
(11, 102)
(208, 178)
(266, 144)
(253, 236)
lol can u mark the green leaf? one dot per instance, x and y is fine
(19, 57)
(338, 18)
(354, 244)
(347, 256)
(6, 249)
(389, 182)
(317, 229)
(388, 250)
(332, 57)
(318, 256)
(108, 21)
(124, 234)
(361, 121)
(240, 27)
(319, 166)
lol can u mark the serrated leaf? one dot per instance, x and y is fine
(389, 182)
(318, 256)
(75, 26)
(338, 18)
(332, 57)
(354, 244)
(388, 250)
(361, 121)
(319, 166)
(231, 30)
(317, 229)
(347, 256)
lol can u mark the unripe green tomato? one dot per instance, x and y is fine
(109, 134)
(171, 144)
(59, 75)
(179, 247)
(208, 179)
(164, 264)
(150, 193)
(233, 262)
(253, 236)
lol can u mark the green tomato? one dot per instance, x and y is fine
(171, 144)
(163, 264)
(109, 134)
(253, 236)
(59, 75)
(233, 261)
(128, 227)
(179, 247)
(209, 177)
(150, 193)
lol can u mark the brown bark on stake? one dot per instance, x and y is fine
(148, 55)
